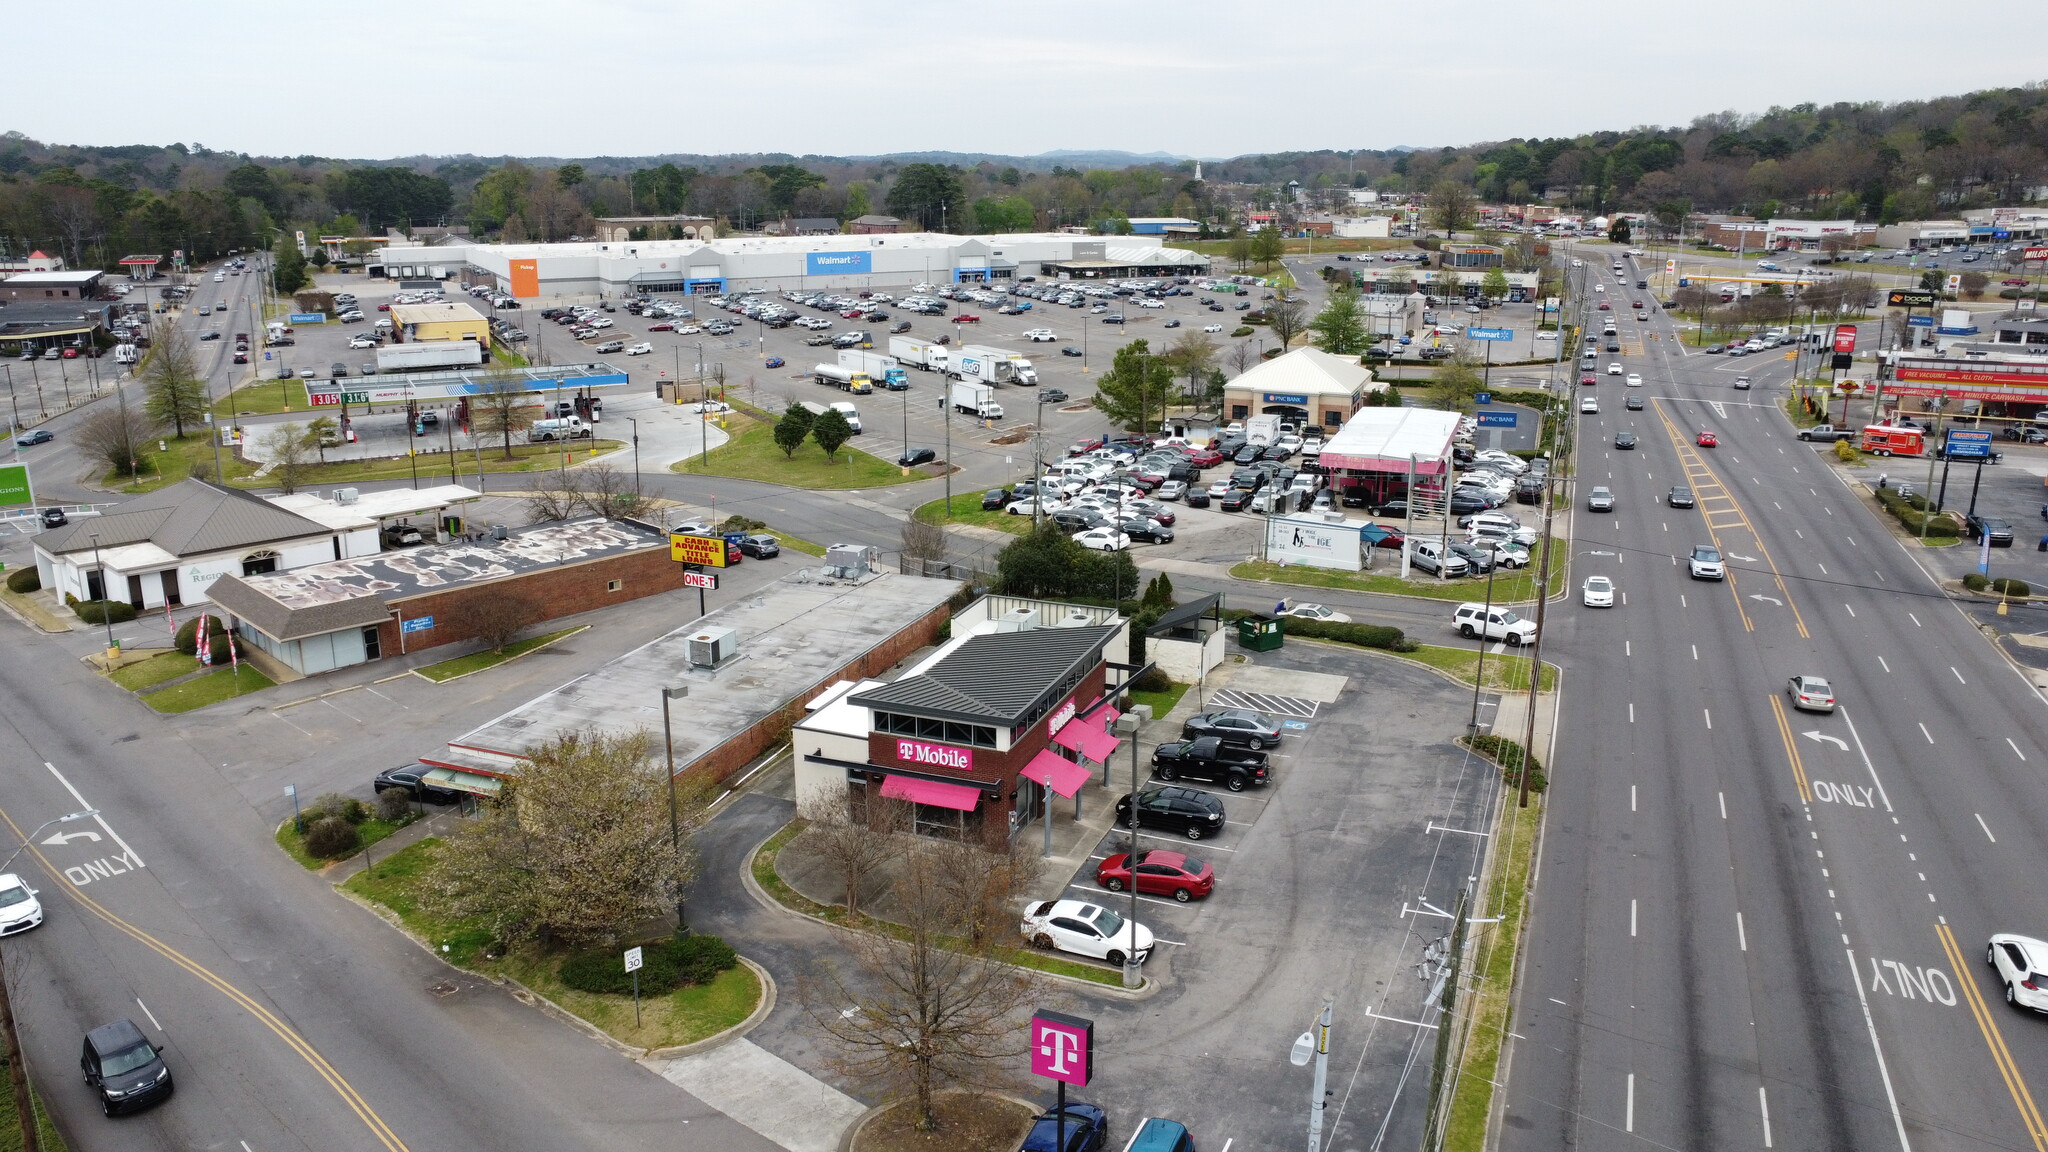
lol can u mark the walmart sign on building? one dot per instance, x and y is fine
(837, 263)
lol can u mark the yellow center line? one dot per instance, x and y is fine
(349, 1096)
(1995, 1040)
(1791, 750)
(1695, 467)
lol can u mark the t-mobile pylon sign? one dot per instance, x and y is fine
(1063, 1047)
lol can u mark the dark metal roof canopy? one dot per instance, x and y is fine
(994, 679)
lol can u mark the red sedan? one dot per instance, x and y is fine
(1706, 440)
(661, 326)
(1604, 306)
(380, 308)
(1160, 873)
(2016, 282)
(1589, 378)
(966, 318)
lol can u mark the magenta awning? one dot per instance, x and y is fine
(1056, 772)
(1073, 735)
(1109, 716)
(1098, 746)
(957, 796)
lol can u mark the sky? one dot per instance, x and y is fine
(1207, 78)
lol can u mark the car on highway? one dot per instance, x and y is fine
(1625, 440)
(2021, 965)
(1589, 404)
(123, 1068)
(1810, 694)
(21, 911)
(1742, 383)
(1240, 726)
(1635, 380)
(413, 778)
(202, 336)
(1161, 872)
(1614, 368)
(1317, 612)
(1084, 929)
(1704, 563)
(1600, 499)
(1208, 758)
(1633, 404)
(1679, 497)
(1999, 531)
(1189, 811)
(1598, 592)
(1086, 1127)
(1706, 439)
(31, 439)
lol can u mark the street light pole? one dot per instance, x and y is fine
(675, 834)
(1127, 726)
(105, 617)
(1315, 1042)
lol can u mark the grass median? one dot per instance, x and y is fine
(402, 884)
(448, 670)
(153, 671)
(1491, 991)
(750, 453)
(1509, 587)
(212, 688)
(1505, 671)
(965, 508)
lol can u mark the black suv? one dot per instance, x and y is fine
(124, 1067)
(1238, 726)
(1190, 812)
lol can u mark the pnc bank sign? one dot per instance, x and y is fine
(838, 263)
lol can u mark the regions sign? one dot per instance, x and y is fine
(706, 550)
(1909, 298)
(838, 263)
(14, 485)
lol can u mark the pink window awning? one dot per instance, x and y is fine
(1056, 772)
(960, 797)
(1073, 735)
(1099, 746)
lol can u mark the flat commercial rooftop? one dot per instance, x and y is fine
(370, 508)
(795, 636)
(1387, 439)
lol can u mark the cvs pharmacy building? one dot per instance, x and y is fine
(981, 738)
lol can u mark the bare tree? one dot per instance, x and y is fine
(926, 1012)
(610, 493)
(990, 885)
(290, 451)
(1241, 357)
(856, 834)
(116, 435)
(498, 620)
(923, 540)
(503, 409)
(1285, 318)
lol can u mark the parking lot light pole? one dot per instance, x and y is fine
(1315, 1043)
(675, 834)
(1479, 676)
(1127, 726)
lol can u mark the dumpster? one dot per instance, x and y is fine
(1260, 633)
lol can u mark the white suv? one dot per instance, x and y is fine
(1705, 563)
(1495, 623)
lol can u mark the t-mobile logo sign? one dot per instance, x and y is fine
(1063, 1047)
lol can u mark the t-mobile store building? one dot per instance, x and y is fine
(986, 735)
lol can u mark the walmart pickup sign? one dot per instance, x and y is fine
(838, 263)
(1490, 333)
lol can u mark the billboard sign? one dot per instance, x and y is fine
(1063, 1047)
(14, 488)
(1314, 542)
(838, 263)
(708, 551)
(1909, 298)
(1490, 333)
(2034, 254)
(1845, 339)
(1953, 284)
(1969, 445)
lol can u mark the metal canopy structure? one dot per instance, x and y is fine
(457, 384)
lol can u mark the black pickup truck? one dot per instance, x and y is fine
(1208, 758)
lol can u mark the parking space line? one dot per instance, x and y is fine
(1183, 840)
(1100, 895)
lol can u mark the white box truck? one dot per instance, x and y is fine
(977, 399)
(842, 407)
(881, 369)
(844, 379)
(1021, 371)
(1262, 429)
(921, 354)
(429, 355)
(993, 366)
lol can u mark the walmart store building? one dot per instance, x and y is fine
(782, 263)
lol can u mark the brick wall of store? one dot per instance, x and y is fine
(563, 591)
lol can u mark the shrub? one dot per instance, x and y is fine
(2008, 586)
(1508, 754)
(1153, 681)
(1976, 581)
(331, 838)
(187, 639)
(334, 805)
(1241, 330)
(394, 805)
(665, 965)
(1846, 452)
(1363, 635)
(104, 611)
(24, 580)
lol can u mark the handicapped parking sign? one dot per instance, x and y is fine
(1294, 725)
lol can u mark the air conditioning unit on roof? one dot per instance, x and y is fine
(710, 647)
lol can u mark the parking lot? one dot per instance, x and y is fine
(1322, 878)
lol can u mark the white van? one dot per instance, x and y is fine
(125, 354)
(1495, 623)
(561, 428)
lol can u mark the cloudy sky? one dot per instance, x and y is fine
(1194, 77)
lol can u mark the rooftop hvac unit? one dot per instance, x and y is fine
(497, 531)
(857, 559)
(1077, 618)
(1017, 620)
(344, 495)
(713, 646)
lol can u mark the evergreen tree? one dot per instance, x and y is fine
(1133, 393)
(830, 431)
(1340, 327)
(791, 430)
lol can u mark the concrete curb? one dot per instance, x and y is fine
(760, 1013)
(1144, 991)
(421, 673)
(853, 1130)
